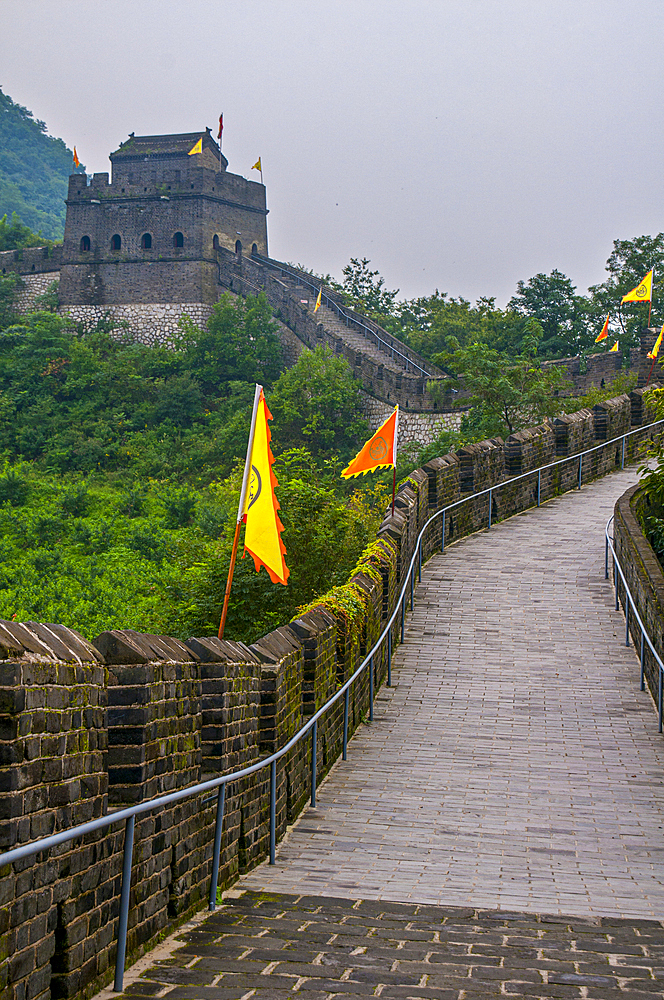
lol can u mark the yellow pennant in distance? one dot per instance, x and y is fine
(317, 306)
(380, 451)
(262, 538)
(656, 346)
(605, 331)
(614, 348)
(642, 292)
(257, 165)
(198, 148)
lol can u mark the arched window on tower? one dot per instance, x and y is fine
(178, 241)
(238, 246)
(116, 242)
(215, 242)
(85, 244)
(254, 249)
(146, 242)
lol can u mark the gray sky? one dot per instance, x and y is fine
(459, 145)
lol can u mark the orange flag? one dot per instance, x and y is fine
(380, 451)
(262, 537)
(605, 331)
(77, 162)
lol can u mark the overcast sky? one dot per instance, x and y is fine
(459, 144)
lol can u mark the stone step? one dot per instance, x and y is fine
(352, 338)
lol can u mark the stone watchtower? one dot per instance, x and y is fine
(143, 247)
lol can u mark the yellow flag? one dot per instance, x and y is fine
(317, 306)
(198, 148)
(379, 452)
(257, 165)
(658, 343)
(614, 348)
(642, 292)
(262, 538)
(605, 331)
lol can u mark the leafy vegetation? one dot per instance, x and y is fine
(122, 465)
(34, 168)
(570, 322)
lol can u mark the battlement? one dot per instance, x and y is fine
(149, 232)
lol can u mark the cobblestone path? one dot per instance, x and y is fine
(515, 763)
(497, 831)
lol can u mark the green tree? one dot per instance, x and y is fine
(365, 290)
(34, 171)
(14, 235)
(240, 342)
(628, 263)
(551, 299)
(317, 401)
(507, 392)
(432, 323)
(9, 285)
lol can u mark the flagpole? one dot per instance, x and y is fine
(240, 509)
(652, 283)
(394, 456)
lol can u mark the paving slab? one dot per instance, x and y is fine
(386, 950)
(515, 764)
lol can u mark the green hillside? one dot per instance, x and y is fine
(34, 168)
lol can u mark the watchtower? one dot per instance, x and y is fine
(150, 235)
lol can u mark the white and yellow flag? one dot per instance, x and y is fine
(642, 292)
(262, 537)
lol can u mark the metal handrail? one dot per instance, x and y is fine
(645, 638)
(129, 814)
(343, 313)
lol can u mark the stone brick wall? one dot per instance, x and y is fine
(645, 579)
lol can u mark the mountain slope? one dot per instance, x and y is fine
(34, 168)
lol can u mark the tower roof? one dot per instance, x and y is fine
(169, 147)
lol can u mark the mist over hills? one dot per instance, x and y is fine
(34, 168)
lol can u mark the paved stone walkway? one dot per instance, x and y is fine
(513, 775)
(516, 763)
(272, 947)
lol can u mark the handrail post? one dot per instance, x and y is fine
(442, 537)
(580, 468)
(643, 660)
(345, 747)
(615, 582)
(659, 699)
(626, 619)
(622, 461)
(273, 809)
(124, 903)
(403, 617)
(218, 823)
(412, 589)
(314, 746)
(490, 505)
(606, 557)
(371, 689)
(539, 485)
(419, 559)
(389, 657)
